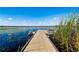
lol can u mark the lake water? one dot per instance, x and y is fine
(14, 38)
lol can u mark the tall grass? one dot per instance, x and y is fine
(67, 33)
(77, 37)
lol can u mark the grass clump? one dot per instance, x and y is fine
(67, 34)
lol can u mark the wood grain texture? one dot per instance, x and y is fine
(40, 43)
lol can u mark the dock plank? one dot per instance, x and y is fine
(40, 43)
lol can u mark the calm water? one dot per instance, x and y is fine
(12, 39)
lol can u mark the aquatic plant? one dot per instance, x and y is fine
(67, 34)
(77, 37)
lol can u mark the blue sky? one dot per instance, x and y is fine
(33, 16)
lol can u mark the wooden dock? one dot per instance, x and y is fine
(40, 43)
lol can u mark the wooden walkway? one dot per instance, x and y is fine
(40, 43)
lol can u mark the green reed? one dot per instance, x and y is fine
(67, 34)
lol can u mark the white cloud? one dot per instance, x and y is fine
(44, 21)
(56, 20)
(1, 20)
(10, 18)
